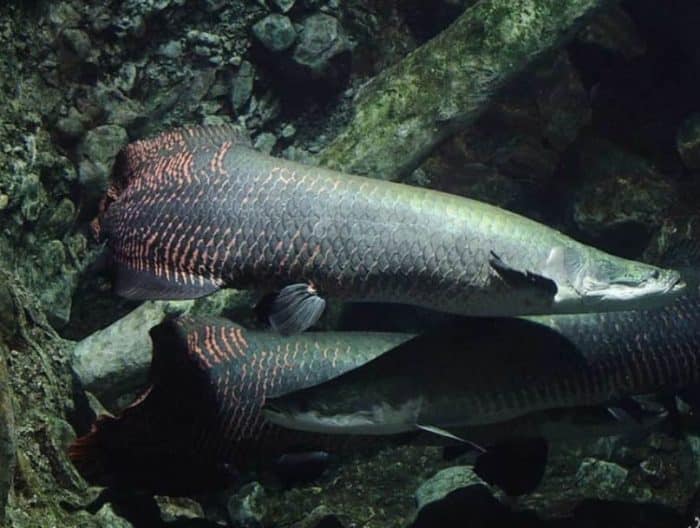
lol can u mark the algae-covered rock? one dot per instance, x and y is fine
(7, 435)
(242, 86)
(98, 150)
(275, 32)
(246, 508)
(447, 83)
(322, 45)
(601, 479)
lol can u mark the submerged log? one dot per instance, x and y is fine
(444, 85)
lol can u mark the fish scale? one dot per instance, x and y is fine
(495, 369)
(197, 209)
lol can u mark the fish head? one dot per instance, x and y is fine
(296, 411)
(589, 279)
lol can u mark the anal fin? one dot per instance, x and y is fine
(522, 278)
(143, 285)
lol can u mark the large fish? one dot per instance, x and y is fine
(197, 209)
(201, 416)
(201, 413)
(498, 369)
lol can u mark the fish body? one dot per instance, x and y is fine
(200, 421)
(201, 413)
(499, 369)
(195, 210)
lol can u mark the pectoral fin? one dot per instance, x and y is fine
(446, 434)
(295, 308)
(522, 278)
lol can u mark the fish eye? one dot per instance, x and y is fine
(655, 274)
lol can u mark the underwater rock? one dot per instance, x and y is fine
(78, 42)
(562, 102)
(614, 30)
(246, 508)
(7, 436)
(447, 83)
(320, 517)
(98, 150)
(688, 141)
(600, 479)
(284, 5)
(322, 42)
(453, 495)
(72, 126)
(107, 518)
(178, 509)
(114, 361)
(265, 142)
(242, 86)
(275, 32)
(621, 198)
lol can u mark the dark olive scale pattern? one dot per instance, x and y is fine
(602, 358)
(197, 209)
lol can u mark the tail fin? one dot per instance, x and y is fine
(90, 454)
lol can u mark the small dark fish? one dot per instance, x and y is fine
(197, 209)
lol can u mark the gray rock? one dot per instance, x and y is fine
(78, 42)
(445, 482)
(107, 518)
(126, 77)
(246, 509)
(288, 131)
(98, 149)
(455, 493)
(284, 5)
(275, 32)
(178, 509)
(115, 360)
(242, 86)
(600, 479)
(265, 142)
(322, 39)
(688, 141)
(171, 50)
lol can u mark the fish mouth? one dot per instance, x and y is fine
(651, 292)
